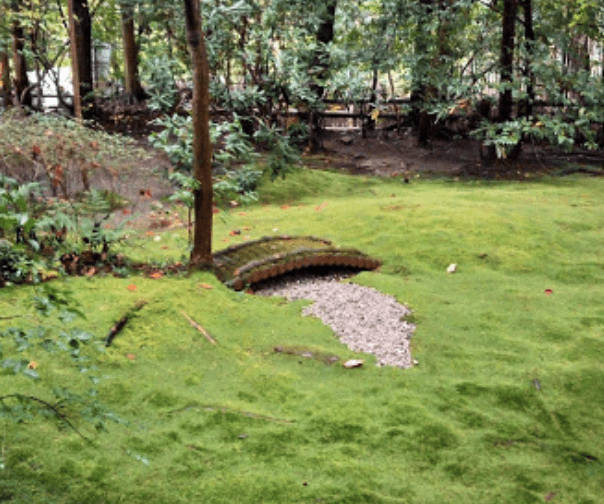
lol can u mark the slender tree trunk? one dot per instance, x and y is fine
(324, 36)
(22, 88)
(133, 86)
(202, 146)
(529, 36)
(5, 83)
(75, 68)
(83, 31)
(420, 91)
(506, 103)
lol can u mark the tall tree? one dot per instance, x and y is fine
(324, 37)
(5, 84)
(21, 81)
(202, 146)
(75, 67)
(83, 32)
(133, 86)
(506, 103)
(529, 48)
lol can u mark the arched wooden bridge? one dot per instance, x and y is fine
(254, 261)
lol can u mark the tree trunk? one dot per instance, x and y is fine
(529, 42)
(83, 33)
(22, 88)
(420, 91)
(325, 34)
(202, 146)
(133, 86)
(75, 68)
(5, 83)
(506, 103)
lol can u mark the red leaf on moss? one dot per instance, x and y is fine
(549, 291)
(157, 274)
(131, 287)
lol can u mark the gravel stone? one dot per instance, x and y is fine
(362, 318)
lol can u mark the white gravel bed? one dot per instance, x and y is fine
(362, 318)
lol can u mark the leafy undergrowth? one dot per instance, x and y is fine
(505, 405)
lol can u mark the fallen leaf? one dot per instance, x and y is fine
(215, 210)
(549, 496)
(549, 291)
(164, 247)
(36, 150)
(247, 228)
(235, 232)
(149, 233)
(243, 214)
(284, 207)
(91, 272)
(126, 211)
(131, 356)
(32, 365)
(131, 287)
(226, 240)
(206, 286)
(157, 274)
(320, 207)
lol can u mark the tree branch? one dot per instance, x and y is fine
(49, 406)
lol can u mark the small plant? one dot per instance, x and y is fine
(176, 140)
(282, 154)
(238, 185)
(159, 76)
(185, 184)
(16, 359)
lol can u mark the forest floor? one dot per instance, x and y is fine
(380, 153)
(391, 154)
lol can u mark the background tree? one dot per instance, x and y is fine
(21, 81)
(5, 82)
(74, 40)
(133, 86)
(202, 146)
(83, 33)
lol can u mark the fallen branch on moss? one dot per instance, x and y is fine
(122, 322)
(199, 328)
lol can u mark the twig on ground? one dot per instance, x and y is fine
(122, 322)
(199, 328)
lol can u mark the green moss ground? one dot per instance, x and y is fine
(237, 422)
